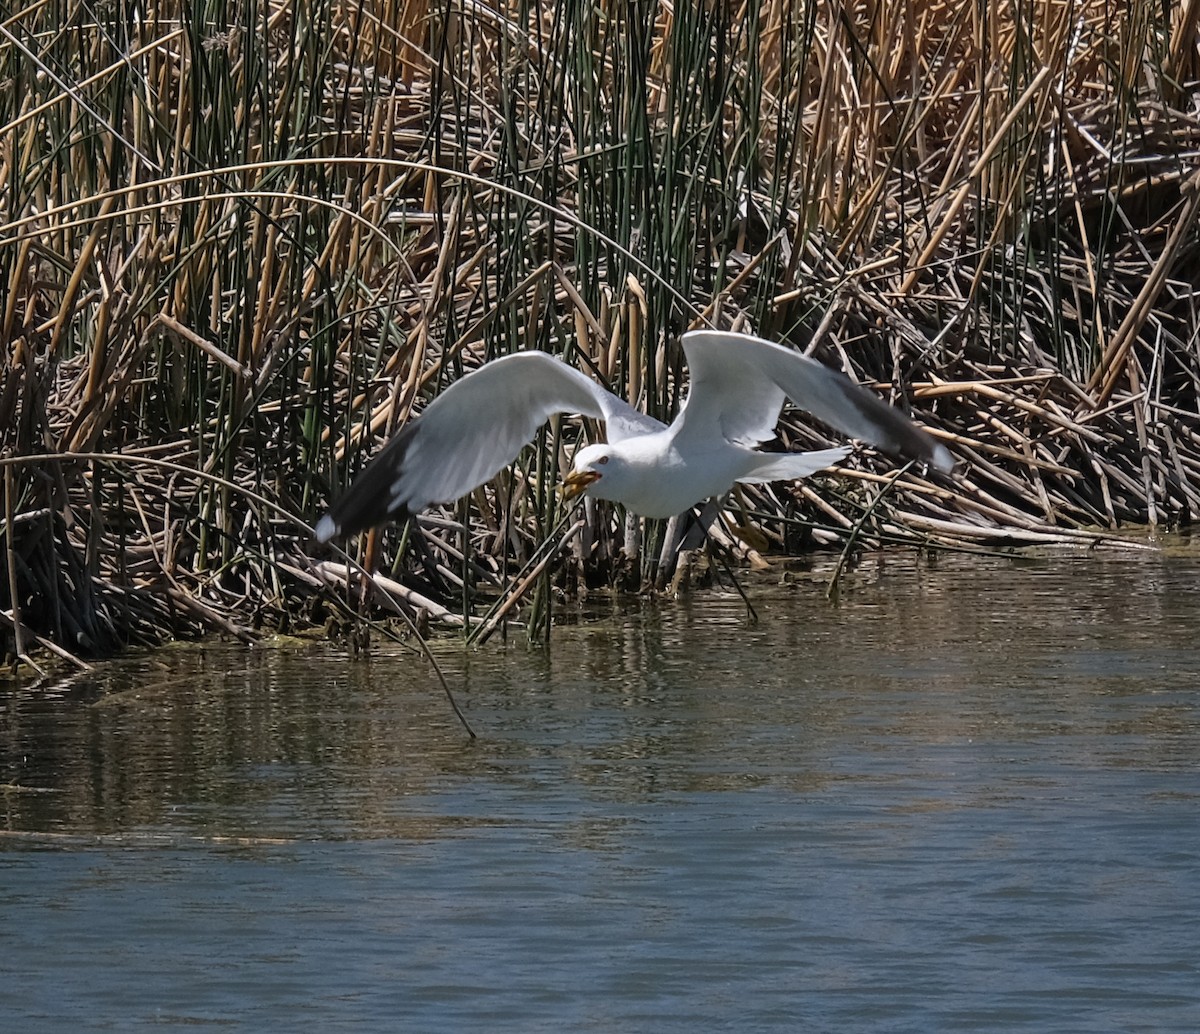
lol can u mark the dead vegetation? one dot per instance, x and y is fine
(240, 244)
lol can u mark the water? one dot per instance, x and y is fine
(965, 798)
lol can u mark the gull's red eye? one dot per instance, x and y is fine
(602, 460)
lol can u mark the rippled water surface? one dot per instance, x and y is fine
(967, 797)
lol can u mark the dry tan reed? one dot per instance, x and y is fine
(240, 246)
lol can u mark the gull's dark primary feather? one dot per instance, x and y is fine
(372, 492)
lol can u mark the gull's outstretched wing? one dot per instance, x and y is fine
(468, 433)
(739, 383)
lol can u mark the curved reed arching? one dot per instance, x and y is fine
(250, 249)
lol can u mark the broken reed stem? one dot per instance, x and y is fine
(181, 598)
(551, 546)
(268, 292)
(856, 531)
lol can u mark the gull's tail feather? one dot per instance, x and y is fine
(373, 497)
(788, 466)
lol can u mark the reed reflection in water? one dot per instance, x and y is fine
(964, 798)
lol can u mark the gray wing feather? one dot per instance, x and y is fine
(739, 383)
(471, 431)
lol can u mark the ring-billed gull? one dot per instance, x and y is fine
(738, 385)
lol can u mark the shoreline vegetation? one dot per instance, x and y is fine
(240, 244)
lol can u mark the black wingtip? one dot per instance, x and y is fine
(370, 499)
(893, 431)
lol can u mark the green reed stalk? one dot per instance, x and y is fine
(985, 211)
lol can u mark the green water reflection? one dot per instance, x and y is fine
(982, 769)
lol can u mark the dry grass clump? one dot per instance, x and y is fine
(240, 244)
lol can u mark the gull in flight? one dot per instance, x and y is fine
(738, 385)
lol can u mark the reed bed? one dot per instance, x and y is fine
(241, 244)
